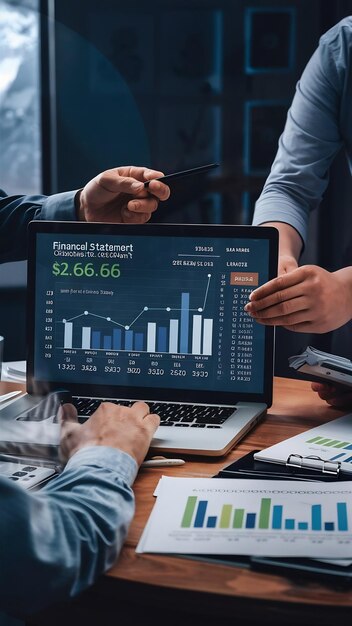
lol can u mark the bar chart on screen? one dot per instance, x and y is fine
(181, 328)
(135, 309)
(203, 516)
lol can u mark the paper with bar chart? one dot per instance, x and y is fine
(331, 443)
(267, 518)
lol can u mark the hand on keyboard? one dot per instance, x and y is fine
(129, 429)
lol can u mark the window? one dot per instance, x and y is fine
(20, 137)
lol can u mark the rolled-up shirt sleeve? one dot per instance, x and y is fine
(55, 542)
(17, 211)
(312, 136)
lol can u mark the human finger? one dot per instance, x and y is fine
(70, 436)
(138, 172)
(68, 429)
(334, 394)
(340, 401)
(112, 182)
(293, 319)
(319, 386)
(150, 420)
(132, 217)
(159, 189)
(143, 205)
(278, 284)
(325, 390)
(280, 303)
(152, 423)
(140, 409)
(49, 406)
(130, 180)
(67, 413)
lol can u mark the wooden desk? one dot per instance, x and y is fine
(160, 590)
(6, 386)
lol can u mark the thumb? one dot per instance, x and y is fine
(67, 413)
(70, 435)
(67, 417)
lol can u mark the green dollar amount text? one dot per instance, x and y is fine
(88, 270)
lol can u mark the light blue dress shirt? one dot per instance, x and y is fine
(319, 123)
(55, 542)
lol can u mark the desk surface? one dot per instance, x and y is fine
(210, 589)
(295, 409)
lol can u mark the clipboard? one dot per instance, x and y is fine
(297, 467)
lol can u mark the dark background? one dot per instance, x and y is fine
(174, 84)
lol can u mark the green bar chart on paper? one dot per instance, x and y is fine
(262, 517)
(340, 450)
(330, 443)
(269, 516)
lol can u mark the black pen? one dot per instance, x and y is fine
(195, 170)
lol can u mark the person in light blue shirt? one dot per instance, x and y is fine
(319, 123)
(56, 542)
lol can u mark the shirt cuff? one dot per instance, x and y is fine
(268, 211)
(59, 207)
(108, 458)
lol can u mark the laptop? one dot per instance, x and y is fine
(151, 312)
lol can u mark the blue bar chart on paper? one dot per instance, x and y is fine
(340, 450)
(269, 518)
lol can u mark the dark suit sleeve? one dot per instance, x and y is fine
(17, 211)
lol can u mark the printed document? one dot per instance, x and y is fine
(241, 517)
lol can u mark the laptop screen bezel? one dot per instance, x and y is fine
(205, 396)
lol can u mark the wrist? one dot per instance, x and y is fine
(79, 206)
(345, 278)
(290, 242)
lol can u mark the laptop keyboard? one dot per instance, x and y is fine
(178, 415)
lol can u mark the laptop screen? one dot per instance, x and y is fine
(152, 311)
